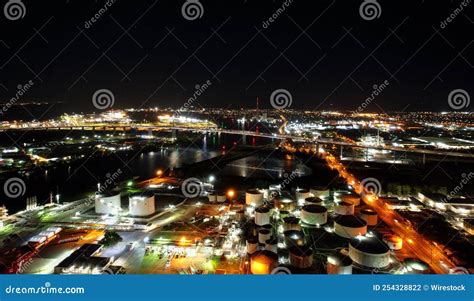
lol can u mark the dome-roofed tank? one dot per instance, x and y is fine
(349, 226)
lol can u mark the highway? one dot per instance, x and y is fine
(423, 248)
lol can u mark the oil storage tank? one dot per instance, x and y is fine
(301, 257)
(344, 208)
(108, 202)
(349, 226)
(263, 262)
(314, 215)
(253, 197)
(141, 203)
(369, 216)
(262, 216)
(369, 251)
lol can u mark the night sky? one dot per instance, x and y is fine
(323, 52)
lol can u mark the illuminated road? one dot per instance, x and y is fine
(205, 129)
(419, 245)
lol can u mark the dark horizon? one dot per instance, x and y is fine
(324, 53)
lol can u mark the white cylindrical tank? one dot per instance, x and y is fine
(252, 245)
(262, 216)
(264, 235)
(349, 226)
(369, 216)
(314, 215)
(221, 197)
(212, 197)
(369, 251)
(344, 208)
(313, 201)
(338, 263)
(272, 245)
(301, 257)
(394, 242)
(351, 198)
(253, 197)
(107, 202)
(301, 194)
(319, 191)
(291, 223)
(142, 203)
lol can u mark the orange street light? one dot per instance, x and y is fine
(230, 193)
(159, 172)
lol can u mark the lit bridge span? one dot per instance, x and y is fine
(204, 130)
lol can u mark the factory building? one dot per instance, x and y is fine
(141, 203)
(263, 262)
(349, 226)
(460, 206)
(344, 208)
(108, 202)
(319, 191)
(301, 257)
(369, 216)
(369, 251)
(253, 197)
(339, 263)
(314, 215)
